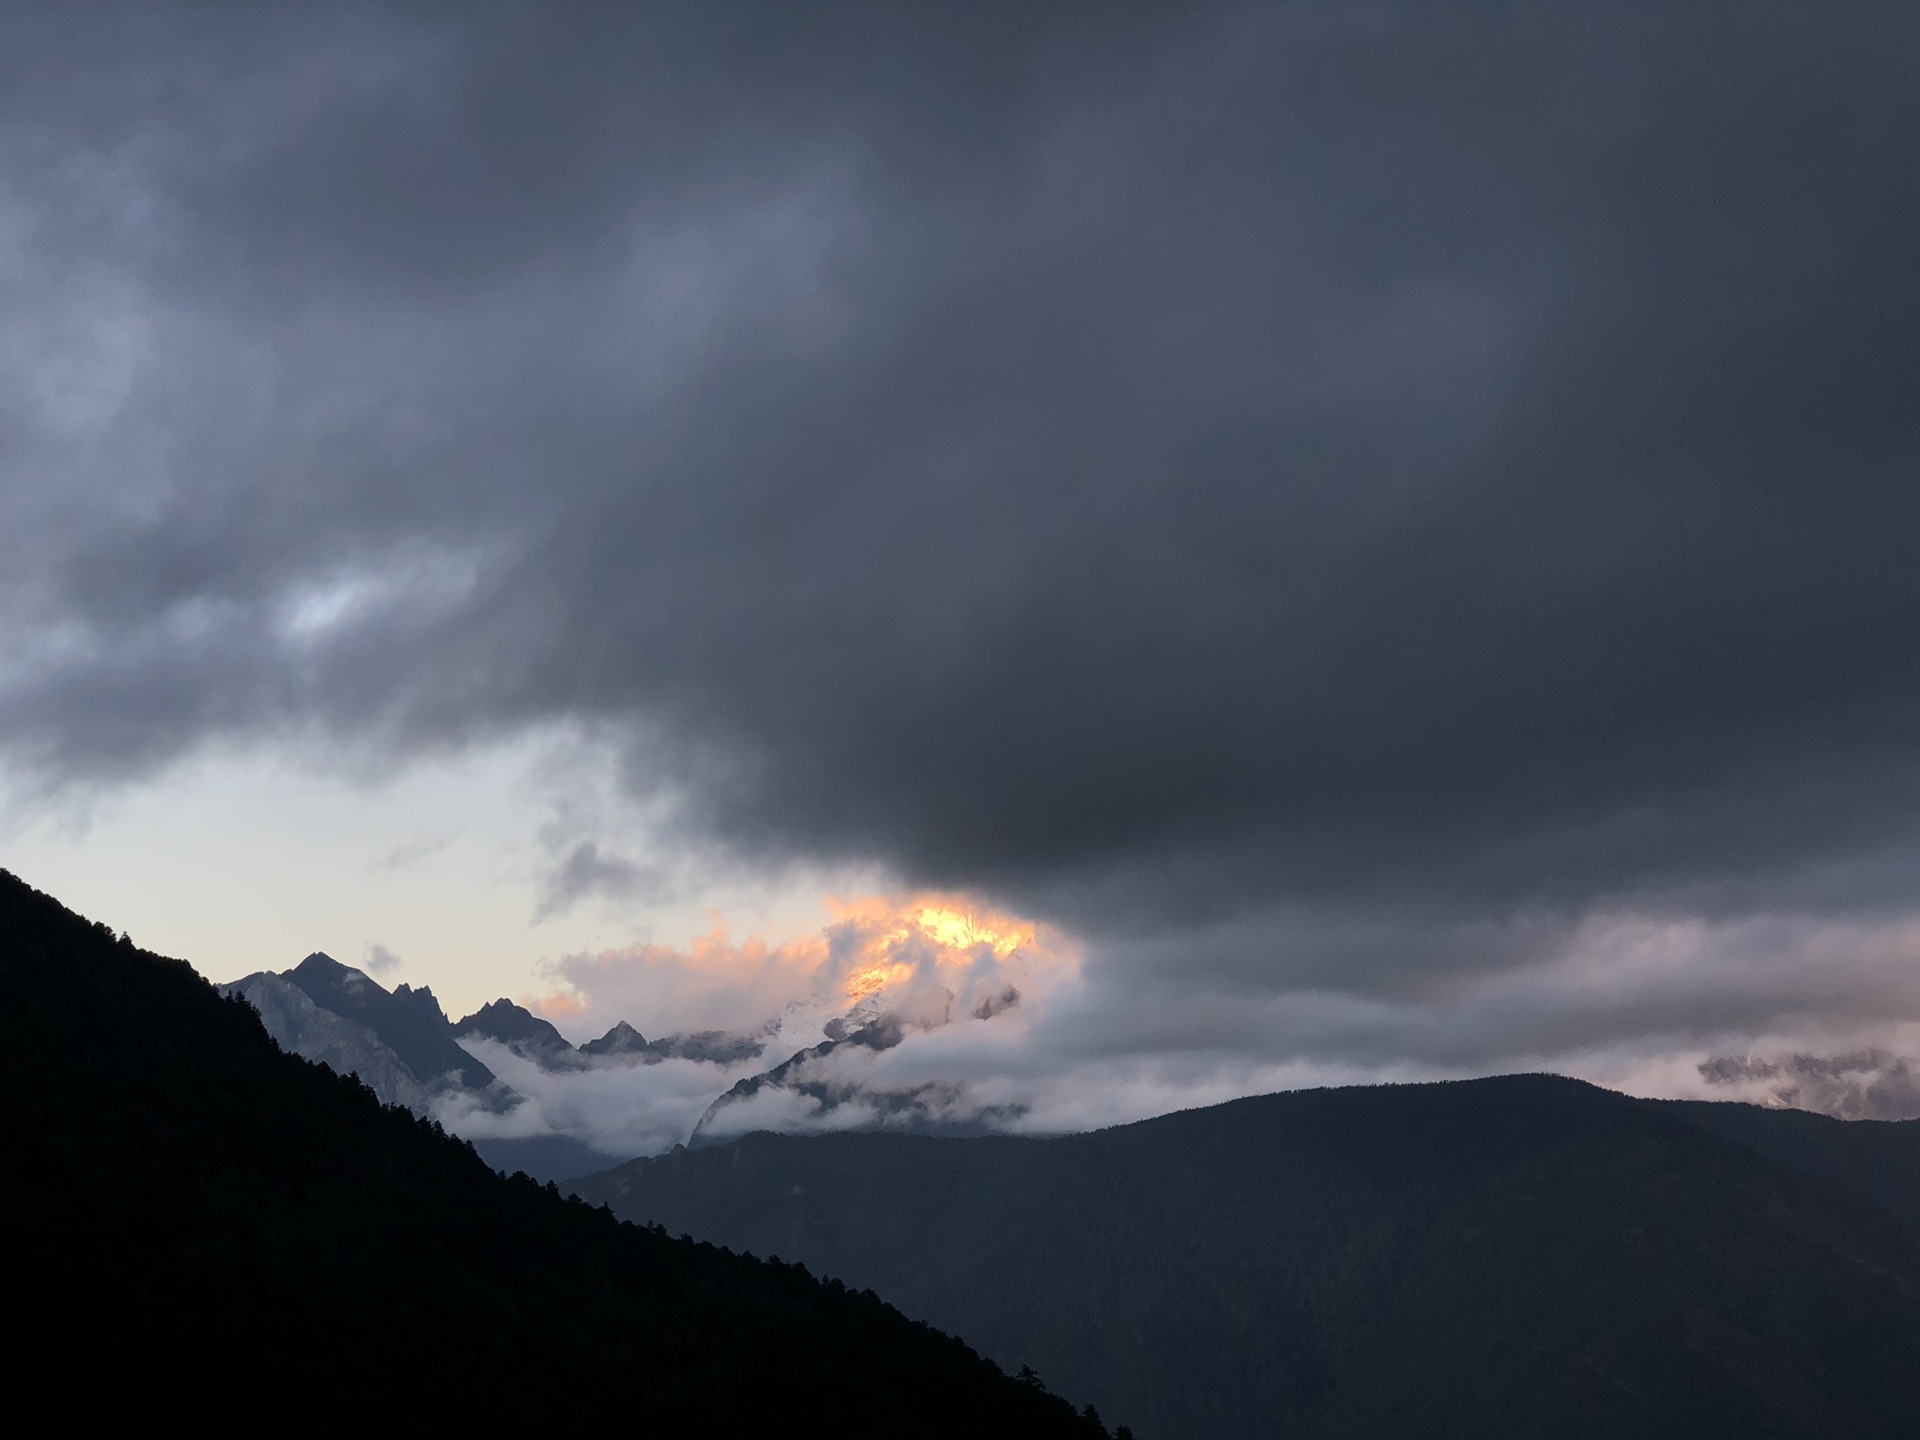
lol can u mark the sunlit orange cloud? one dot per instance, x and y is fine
(927, 957)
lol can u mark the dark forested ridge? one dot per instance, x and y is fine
(1517, 1257)
(1876, 1160)
(203, 1227)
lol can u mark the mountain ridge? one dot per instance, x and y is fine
(404, 1046)
(410, 1021)
(1517, 1256)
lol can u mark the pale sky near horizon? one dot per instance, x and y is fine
(442, 867)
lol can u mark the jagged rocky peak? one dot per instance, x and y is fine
(920, 1108)
(323, 968)
(301, 1027)
(410, 1022)
(518, 1028)
(622, 1039)
(421, 1002)
(711, 1047)
(525, 1033)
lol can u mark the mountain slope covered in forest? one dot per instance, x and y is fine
(1514, 1257)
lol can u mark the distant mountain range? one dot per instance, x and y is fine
(205, 1226)
(403, 1046)
(1500, 1259)
(836, 1099)
(525, 1033)
(402, 1034)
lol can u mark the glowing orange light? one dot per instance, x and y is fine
(962, 930)
(926, 955)
(875, 978)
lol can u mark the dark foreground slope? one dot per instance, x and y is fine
(200, 1226)
(1517, 1257)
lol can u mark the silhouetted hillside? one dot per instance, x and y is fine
(1520, 1257)
(205, 1229)
(1878, 1160)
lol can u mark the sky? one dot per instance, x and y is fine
(1386, 534)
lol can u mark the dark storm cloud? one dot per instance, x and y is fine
(1150, 461)
(586, 871)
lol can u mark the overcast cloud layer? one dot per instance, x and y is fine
(1396, 525)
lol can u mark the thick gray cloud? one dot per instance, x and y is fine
(586, 871)
(1865, 1085)
(1160, 464)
